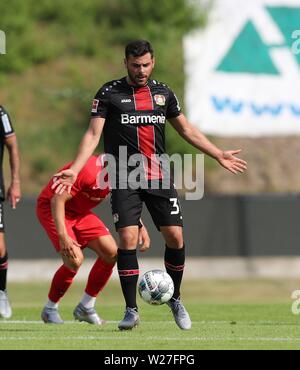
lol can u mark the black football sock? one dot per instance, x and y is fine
(128, 270)
(3, 271)
(174, 263)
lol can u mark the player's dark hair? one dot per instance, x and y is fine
(138, 48)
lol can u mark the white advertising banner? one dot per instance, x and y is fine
(243, 69)
(2, 42)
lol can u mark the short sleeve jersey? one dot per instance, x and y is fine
(86, 191)
(6, 130)
(135, 117)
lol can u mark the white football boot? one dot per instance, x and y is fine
(131, 319)
(89, 315)
(181, 316)
(51, 316)
(5, 308)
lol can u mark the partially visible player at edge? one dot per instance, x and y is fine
(71, 226)
(9, 139)
(132, 112)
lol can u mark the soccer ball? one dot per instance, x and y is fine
(156, 287)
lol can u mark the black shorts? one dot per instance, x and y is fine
(162, 204)
(1, 218)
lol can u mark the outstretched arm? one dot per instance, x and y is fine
(14, 190)
(192, 135)
(66, 178)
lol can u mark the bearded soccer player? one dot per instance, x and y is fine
(71, 226)
(132, 113)
(9, 139)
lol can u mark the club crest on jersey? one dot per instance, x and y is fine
(160, 99)
(95, 105)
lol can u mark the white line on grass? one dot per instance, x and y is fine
(198, 339)
(107, 322)
(220, 322)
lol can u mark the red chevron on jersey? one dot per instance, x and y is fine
(146, 134)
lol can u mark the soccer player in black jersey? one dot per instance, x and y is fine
(8, 139)
(132, 113)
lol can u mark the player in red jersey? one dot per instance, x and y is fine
(71, 226)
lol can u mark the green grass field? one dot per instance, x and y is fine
(228, 314)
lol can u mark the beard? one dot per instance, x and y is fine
(137, 80)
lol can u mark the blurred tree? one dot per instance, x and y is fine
(60, 52)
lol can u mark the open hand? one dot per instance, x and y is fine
(14, 194)
(144, 239)
(68, 247)
(232, 163)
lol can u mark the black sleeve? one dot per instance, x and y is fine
(100, 103)
(5, 123)
(173, 107)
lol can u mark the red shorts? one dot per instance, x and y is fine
(82, 229)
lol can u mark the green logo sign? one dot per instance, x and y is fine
(249, 54)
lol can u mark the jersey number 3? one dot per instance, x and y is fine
(175, 205)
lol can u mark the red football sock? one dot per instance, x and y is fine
(98, 277)
(61, 281)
